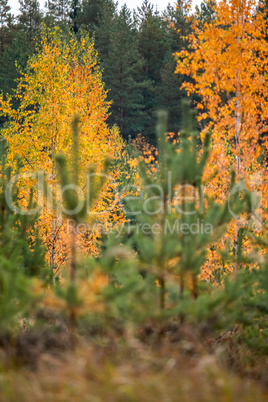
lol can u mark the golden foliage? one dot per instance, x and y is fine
(62, 80)
(227, 62)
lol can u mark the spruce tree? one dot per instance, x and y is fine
(169, 94)
(14, 60)
(74, 14)
(6, 37)
(30, 16)
(6, 19)
(121, 73)
(152, 52)
(58, 12)
(94, 14)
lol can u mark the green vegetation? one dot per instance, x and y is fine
(139, 304)
(135, 53)
(129, 271)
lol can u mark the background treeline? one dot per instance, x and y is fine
(135, 51)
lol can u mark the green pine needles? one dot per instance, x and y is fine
(22, 254)
(171, 228)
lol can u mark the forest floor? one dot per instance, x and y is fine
(45, 365)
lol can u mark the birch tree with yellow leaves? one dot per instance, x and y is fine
(62, 80)
(227, 62)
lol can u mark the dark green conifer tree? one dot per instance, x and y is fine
(96, 13)
(14, 58)
(6, 36)
(30, 17)
(74, 14)
(121, 68)
(178, 27)
(58, 12)
(6, 19)
(22, 254)
(152, 51)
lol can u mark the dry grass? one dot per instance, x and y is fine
(116, 370)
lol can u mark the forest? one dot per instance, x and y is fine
(133, 201)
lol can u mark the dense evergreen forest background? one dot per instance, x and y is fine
(135, 53)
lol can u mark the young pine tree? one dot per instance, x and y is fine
(22, 254)
(174, 223)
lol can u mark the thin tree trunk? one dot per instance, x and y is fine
(162, 292)
(73, 279)
(53, 248)
(238, 122)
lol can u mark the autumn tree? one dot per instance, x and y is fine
(228, 66)
(206, 12)
(61, 81)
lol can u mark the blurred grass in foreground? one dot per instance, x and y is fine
(132, 372)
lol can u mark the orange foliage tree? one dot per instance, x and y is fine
(227, 62)
(63, 80)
